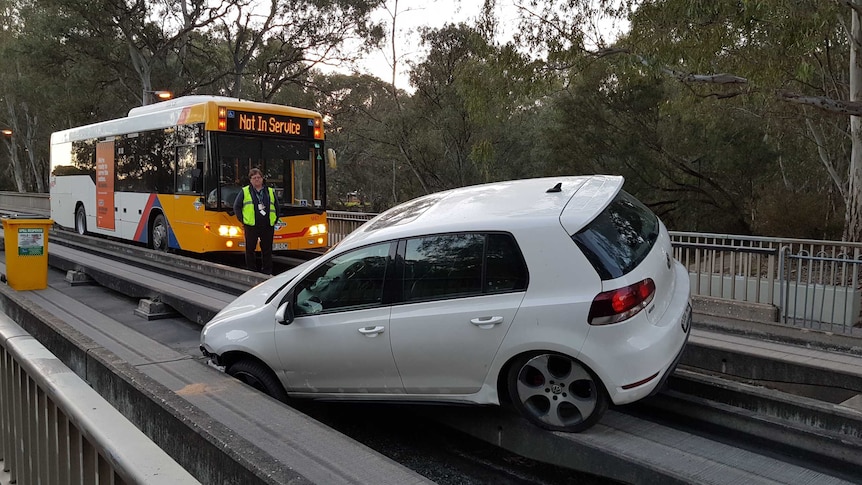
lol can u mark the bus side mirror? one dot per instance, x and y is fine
(330, 157)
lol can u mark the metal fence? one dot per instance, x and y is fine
(821, 290)
(55, 429)
(813, 283)
(342, 223)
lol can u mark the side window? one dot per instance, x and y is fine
(505, 269)
(443, 266)
(350, 281)
(186, 164)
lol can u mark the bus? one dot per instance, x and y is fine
(167, 174)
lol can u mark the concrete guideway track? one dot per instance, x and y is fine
(621, 447)
(196, 302)
(634, 450)
(218, 428)
(296, 443)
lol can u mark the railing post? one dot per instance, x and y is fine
(782, 315)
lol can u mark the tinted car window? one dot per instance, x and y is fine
(443, 265)
(453, 265)
(351, 280)
(505, 269)
(620, 237)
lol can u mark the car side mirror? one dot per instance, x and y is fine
(284, 314)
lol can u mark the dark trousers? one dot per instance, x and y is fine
(264, 233)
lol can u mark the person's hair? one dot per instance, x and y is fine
(254, 171)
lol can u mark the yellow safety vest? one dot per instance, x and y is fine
(248, 207)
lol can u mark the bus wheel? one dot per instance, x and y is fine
(81, 220)
(159, 239)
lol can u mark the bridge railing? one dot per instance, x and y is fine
(781, 272)
(55, 429)
(813, 283)
(819, 290)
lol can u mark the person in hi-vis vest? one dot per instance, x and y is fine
(256, 208)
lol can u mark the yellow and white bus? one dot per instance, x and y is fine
(168, 173)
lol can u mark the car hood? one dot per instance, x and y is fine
(260, 295)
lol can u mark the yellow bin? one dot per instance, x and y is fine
(26, 243)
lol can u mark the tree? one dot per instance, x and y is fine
(30, 90)
(361, 111)
(472, 100)
(771, 55)
(282, 43)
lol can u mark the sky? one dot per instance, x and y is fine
(413, 14)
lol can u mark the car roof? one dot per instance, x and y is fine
(503, 206)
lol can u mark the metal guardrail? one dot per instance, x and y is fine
(813, 283)
(819, 291)
(748, 269)
(751, 269)
(342, 223)
(55, 429)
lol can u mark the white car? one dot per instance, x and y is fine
(559, 295)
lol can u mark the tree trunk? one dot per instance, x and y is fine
(12, 147)
(30, 142)
(853, 211)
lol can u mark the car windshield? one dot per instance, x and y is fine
(620, 237)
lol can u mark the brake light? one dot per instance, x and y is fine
(621, 304)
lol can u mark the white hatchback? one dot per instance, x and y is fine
(559, 295)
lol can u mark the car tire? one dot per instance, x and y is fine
(556, 392)
(81, 220)
(159, 233)
(258, 376)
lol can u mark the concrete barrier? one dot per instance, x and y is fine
(738, 310)
(208, 450)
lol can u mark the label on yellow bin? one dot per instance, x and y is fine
(31, 241)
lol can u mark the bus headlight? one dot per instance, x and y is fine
(228, 231)
(317, 229)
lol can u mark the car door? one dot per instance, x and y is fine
(460, 295)
(338, 341)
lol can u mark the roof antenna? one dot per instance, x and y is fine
(556, 188)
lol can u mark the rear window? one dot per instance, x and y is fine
(620, 237)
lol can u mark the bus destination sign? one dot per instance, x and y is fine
(269, 124)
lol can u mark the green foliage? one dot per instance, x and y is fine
(707, 156)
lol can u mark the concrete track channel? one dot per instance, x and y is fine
(752, 403)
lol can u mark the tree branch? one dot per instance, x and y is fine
(826, 159)
(707, 78)
(836, 106)
(853, 5)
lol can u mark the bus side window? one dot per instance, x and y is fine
(198, 171)
(197, 178)
(186, 168)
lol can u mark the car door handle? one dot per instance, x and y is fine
(371, 331)
(486, 322)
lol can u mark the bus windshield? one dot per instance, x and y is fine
(288, 167)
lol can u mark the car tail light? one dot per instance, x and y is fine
(623, 303)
